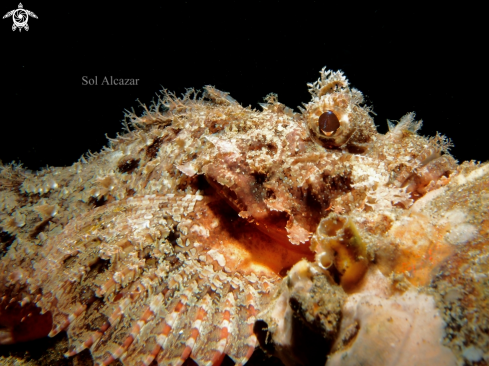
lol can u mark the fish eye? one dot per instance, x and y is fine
(328, 123)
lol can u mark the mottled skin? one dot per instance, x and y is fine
(170, 242)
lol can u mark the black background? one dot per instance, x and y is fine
(403, 58)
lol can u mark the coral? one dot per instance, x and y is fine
(337, 241)
(305, 316)
(209, 229)
(401, 330)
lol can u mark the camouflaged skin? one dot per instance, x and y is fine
(170, 242)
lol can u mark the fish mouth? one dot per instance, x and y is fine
(271, 223)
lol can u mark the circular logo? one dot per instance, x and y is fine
(20, 17)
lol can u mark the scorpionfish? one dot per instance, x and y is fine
(169, 243)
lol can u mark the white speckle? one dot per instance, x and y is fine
(156, 303)
(224, 146)
(218, 257)
(460, 231)
(115, 156)
(473, 354)
(52, 184)
(145, 224)
(477, 173)
(19, 219)
(461, 234)
(188, 169)
(200, 230)
(454, 217)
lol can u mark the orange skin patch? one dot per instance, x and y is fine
(243, 245)
(23, 323)
(423, 249)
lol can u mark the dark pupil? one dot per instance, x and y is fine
(328, 122)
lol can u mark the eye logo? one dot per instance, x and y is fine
(20, 17)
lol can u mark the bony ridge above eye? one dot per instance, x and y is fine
(336, 117)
